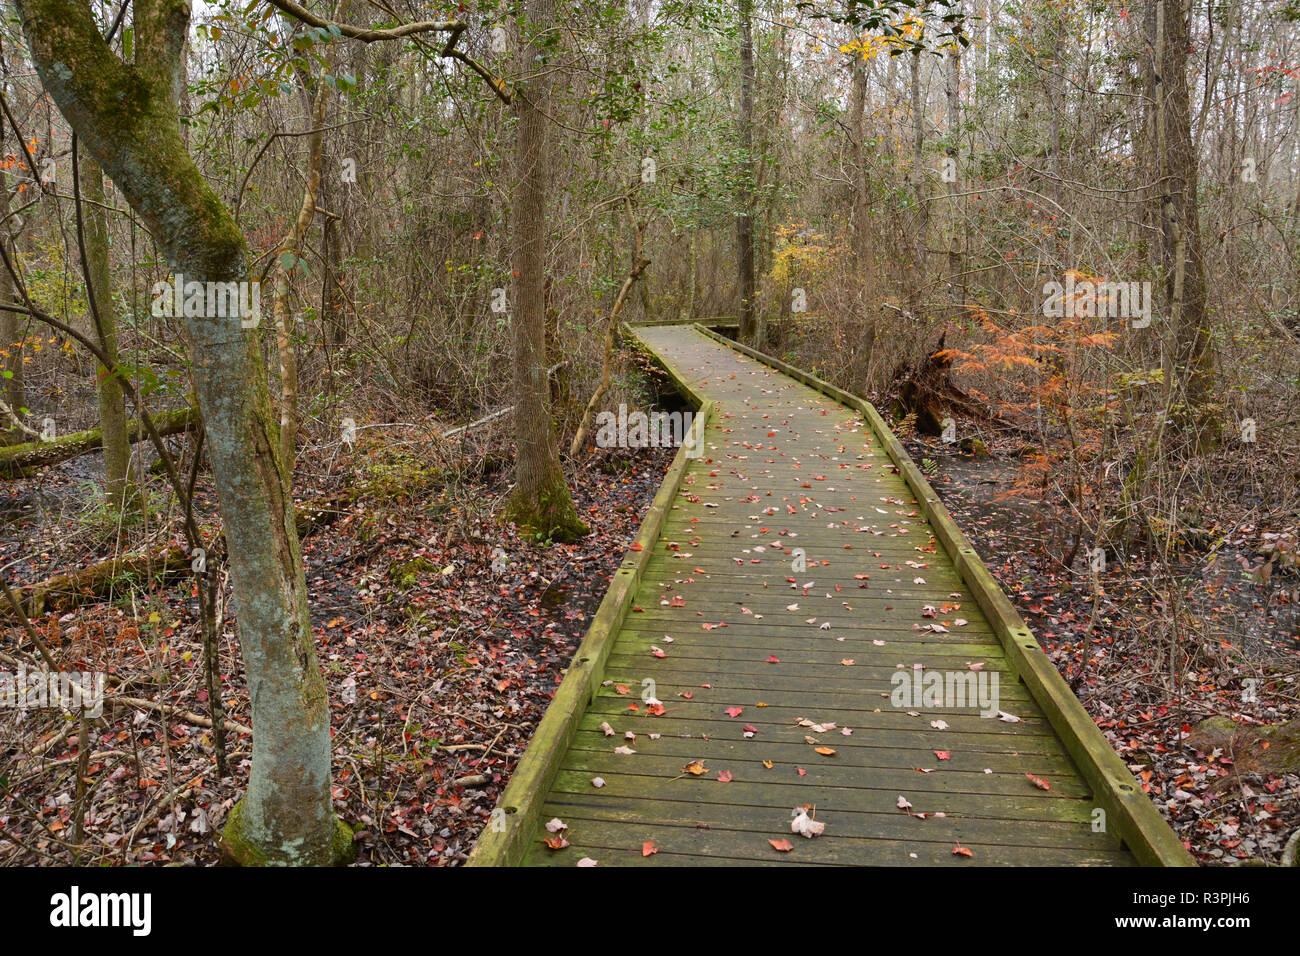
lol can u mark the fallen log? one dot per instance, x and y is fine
(18, 461)
(63, 592)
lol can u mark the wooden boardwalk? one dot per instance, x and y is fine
(782, 580)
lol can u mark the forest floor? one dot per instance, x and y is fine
(438, 667)
(1227, 804)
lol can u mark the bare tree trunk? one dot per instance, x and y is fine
(286, 259)
(112, 403)
(921, 221)
(635, 272)
(1192, 357)
(126, 117)
(861, 244)
(11, 326)
(956, 287)
(540, 502)
(745, 216)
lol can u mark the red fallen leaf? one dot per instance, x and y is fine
(960, 850)
(636, 546)
(801, 771)
(638, 608)
(658, 652)
(773, 659)
(734, 711)
(686, 694)
(557, 842)
(1039, 782)
(657, 709)
(784, 846)
(648, 848)
(724, 776)
(943, 754)
(622, 689)
(677, 601)
(750, 728)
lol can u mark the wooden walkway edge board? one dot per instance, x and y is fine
(704, 506)
(517, 815)
(1136, 819)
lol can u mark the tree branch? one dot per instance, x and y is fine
(453, 28)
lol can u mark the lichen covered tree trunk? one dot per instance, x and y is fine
(540, 502)
(126, 117)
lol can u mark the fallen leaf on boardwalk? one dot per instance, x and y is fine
(625, 751)
(1009, 718)
(943, 754)
(903, 804)
(792, 607)
(960, 850)
(607, 729)
(622, 689)
(785, 846)
(767, 764)
(750, 729)
(598, 782)
(648, 848)
(586, 861)
(734, 711)
(939, 724)
(658, 652)
(805, 825)
(556, 825)
(773, 659)
(695, 767)
(557, 842)
(1039, 782)
(724, 776)
(825, 751)
(801, 771)
(847, 661)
